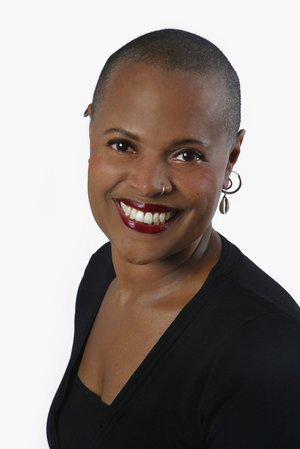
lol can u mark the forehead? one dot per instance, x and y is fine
(143, 95)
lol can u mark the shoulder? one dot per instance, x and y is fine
(99, 265)
(261, 344)
(266, 346)
(97, 276)
(262, 358)
(249, 282)
(99, 259)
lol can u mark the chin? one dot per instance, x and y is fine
(144, 253)
(140, 255)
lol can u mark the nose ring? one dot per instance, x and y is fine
(163, 189)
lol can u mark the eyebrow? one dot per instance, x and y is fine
(135, 137)
(122, 131)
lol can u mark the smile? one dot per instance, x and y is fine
(147, 218)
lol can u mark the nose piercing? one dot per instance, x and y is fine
(163, 189)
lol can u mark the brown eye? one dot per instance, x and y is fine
(189, 156)
(120, 145)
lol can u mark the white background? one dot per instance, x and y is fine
(51, 56)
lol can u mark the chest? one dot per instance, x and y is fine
(120, 339)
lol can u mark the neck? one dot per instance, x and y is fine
(159, 278)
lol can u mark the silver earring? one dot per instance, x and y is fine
(163, 189)
(224, 204)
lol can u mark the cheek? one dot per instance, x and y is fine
(204, 194)
(98, 184)
(101, 174)
(204, 187)
(99, 181)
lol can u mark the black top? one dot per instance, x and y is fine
(224, 375)
(82, 413)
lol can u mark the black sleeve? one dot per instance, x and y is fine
(253, 395)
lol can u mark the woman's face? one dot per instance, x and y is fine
(154, 128)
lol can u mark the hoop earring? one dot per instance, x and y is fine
(224, 204)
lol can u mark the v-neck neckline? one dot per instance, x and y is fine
(220, 271)
(158, 347)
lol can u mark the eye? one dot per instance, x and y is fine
(189, 156)
(120, 145)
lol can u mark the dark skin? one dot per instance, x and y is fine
(160, 110)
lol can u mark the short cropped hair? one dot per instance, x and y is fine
(173, 49)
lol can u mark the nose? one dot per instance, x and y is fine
(148, 175)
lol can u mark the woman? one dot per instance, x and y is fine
(180, 340)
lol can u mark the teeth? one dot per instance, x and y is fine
(139, 216)
(124, 207)
(162, 217)
(156, 218)
(148, 217)
(133, 213)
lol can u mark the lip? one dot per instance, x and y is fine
(145, 207)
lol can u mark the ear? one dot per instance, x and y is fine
(234, 155)
(88, 111)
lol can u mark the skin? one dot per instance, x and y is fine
(161, 109)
